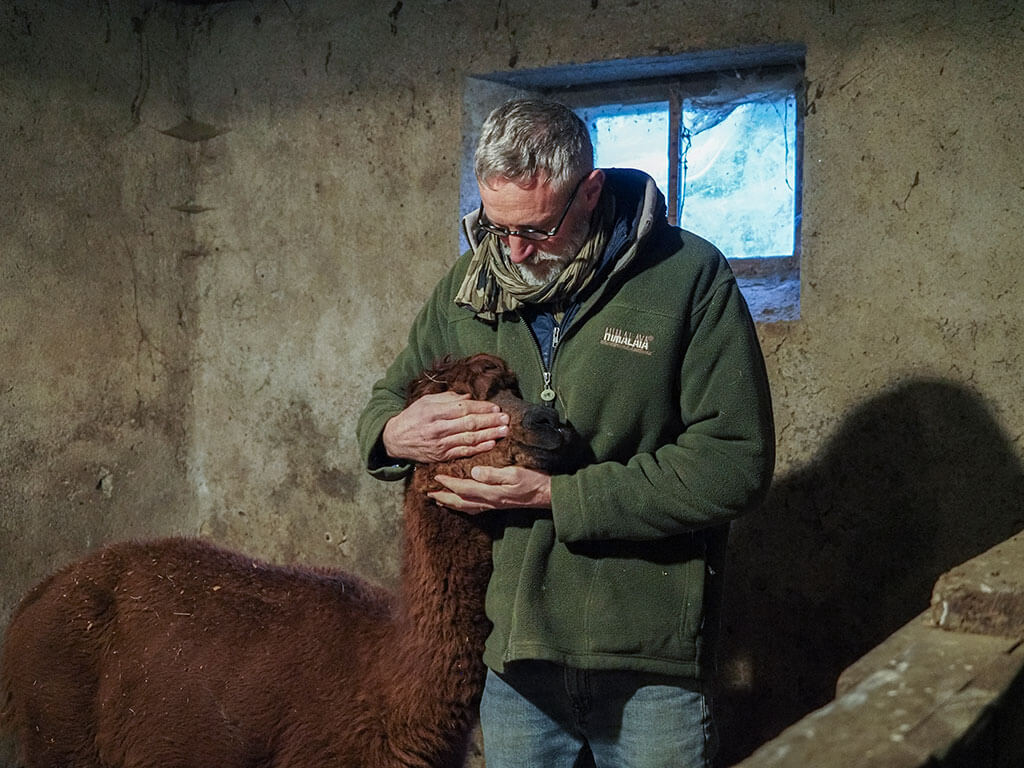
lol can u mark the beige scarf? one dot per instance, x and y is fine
(493, 284)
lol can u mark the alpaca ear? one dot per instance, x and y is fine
(487, 375)
(478, 378)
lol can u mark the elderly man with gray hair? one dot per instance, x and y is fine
(607, 580)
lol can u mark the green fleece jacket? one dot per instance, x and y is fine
(661, 373)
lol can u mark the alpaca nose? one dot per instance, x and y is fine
(541, 418)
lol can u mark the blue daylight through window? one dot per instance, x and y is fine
(736, 166)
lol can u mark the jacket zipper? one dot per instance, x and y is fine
(547, 394)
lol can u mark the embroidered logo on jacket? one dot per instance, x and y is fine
(634, 342)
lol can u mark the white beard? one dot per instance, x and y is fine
(542, 267)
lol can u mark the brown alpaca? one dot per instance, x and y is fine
(178, 653)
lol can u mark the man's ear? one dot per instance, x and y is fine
(591, 189)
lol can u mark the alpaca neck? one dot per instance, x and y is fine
(445, 569)
(441, 624)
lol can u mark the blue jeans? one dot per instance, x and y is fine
(542, 715)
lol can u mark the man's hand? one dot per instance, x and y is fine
(495, 488)
(444, 426)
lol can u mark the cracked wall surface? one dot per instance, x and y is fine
(191, 324)
(97, 280)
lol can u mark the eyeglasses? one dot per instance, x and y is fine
(527, 233)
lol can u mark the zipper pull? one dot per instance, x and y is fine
(547, 394)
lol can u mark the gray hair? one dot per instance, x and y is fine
(528, 138)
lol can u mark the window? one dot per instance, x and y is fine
(720, 134)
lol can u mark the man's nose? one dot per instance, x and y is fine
(520, 249)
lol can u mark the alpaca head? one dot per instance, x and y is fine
(536, 439)
(454, 548)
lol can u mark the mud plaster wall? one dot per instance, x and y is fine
(203, 372)
(97, 280)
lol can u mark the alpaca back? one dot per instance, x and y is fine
(207, 648)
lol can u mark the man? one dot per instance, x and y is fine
(606, 583)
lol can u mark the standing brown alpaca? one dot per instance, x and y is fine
(178, 653)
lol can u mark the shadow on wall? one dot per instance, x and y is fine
(846, 550)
